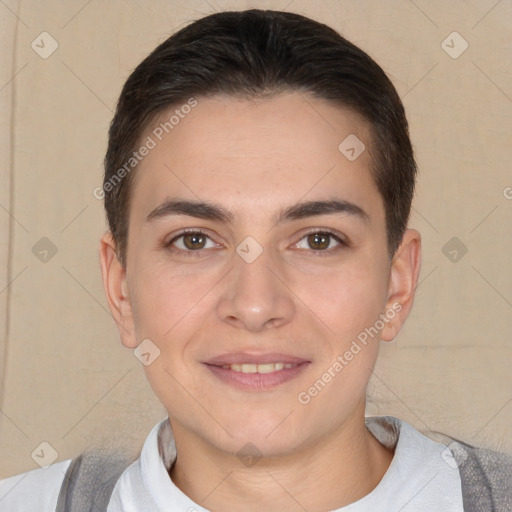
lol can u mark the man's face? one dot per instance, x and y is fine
(256, 289)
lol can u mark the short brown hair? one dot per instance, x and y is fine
(255, 54)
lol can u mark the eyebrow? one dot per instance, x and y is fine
(210, 211)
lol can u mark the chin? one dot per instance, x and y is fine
(270, 435)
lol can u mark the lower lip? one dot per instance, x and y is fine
(257, 381)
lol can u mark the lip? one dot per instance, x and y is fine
(254, 358)
(255, 381)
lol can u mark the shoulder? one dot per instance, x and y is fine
(33, 491)
(486, 477)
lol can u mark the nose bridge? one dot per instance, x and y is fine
(254, 297)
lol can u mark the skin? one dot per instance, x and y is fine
(256, 158)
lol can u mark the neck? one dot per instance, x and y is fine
(336, 471)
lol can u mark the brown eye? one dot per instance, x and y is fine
(194, 240)
(190, 243)
(320, 240)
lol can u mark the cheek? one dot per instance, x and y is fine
(163, 296)
(346, 299)
(168, 308)
(348, 302)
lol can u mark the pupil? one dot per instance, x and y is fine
(319, 236)
(193, 239)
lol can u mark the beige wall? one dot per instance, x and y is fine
(65, 377)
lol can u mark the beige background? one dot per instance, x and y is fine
(66, 379)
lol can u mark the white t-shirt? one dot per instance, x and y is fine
(419, 479)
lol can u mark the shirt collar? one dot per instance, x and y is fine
(418, 478)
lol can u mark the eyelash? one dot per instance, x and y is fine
(196, 231)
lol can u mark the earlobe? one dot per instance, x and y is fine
(116, 290)
(403, 280)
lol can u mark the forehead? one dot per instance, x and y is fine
(255, 155)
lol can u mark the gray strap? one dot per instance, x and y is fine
(486, 478)
(90, 480)
(68, 483)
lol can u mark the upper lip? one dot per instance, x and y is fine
(254, 358)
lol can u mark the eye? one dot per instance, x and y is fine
(190, 242)
(320, 241)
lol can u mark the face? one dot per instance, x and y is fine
(256, 260)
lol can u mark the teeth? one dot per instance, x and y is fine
(249, 368)
(258, 368)
(266, 368)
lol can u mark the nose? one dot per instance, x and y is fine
(255, 295)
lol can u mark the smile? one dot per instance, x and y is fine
(256, 376)
(258, 368)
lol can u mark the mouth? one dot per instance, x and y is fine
(258, 368)
(256, 372)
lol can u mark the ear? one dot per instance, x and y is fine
(403, 280)
(116, 290)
